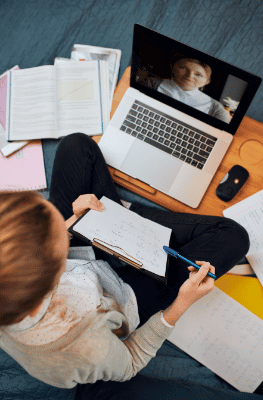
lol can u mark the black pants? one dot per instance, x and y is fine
(144, 388)
(79, 168)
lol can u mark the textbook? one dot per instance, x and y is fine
(53, 101)
(126, 235)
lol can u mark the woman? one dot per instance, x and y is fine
(189, 77)
(74, 321)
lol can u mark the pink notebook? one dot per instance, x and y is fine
(23, 170)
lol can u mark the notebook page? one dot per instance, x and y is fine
(249, 214)
(137, 236)
(225, 337)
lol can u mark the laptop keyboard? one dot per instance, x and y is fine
(168, 134)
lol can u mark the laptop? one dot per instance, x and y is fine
(175, 123)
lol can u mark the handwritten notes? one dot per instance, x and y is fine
(138, 237)
(249, 214)
(225, 337)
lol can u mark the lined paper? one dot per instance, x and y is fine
(225, 337)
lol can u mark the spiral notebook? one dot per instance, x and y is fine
(126, 235)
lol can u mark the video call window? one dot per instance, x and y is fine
(193, 82)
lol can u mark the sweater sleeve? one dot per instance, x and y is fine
(91, 351)
(144, 343)
(118, 360)
(218, 111)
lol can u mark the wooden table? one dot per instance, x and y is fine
(246, 150)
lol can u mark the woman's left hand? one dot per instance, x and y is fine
(85, 201)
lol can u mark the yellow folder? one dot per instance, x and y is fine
(246, 290)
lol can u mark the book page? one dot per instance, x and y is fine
(225, 337)
(31, 104)
(79, 106)
(139, 237)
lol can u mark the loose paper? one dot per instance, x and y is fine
(249, 214)
(225, 337)
(138, 237)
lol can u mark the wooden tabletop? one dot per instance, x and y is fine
(246, 150)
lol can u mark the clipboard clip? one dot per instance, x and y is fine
(129, 259)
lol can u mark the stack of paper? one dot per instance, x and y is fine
(112, 56)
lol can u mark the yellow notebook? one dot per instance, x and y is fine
(246, 290)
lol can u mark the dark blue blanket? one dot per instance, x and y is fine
(34, 32)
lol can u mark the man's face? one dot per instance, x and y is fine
(189, 76)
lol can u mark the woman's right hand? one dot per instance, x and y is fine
(198, 284)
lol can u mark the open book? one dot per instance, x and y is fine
(121, 232)
(249, 214)
(53, 101)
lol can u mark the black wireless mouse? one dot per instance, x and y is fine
(232, 183)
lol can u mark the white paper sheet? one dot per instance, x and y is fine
(225, 337)
(249, 214)
(137, 236)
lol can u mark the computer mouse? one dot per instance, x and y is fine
(232, 183)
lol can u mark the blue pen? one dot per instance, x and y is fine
(175, 254)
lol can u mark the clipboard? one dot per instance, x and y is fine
(113, 251)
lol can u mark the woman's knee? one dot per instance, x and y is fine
(236, 234)
(76, 144)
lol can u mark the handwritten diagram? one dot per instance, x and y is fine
(75, 90)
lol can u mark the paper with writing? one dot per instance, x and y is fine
(139, 237)
(256, 261)
(225, 337)
(249, 214)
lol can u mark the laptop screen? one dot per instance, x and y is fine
(191, 81)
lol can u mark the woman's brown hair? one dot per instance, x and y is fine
(28, 262)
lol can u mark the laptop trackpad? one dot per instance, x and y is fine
(151, 165)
